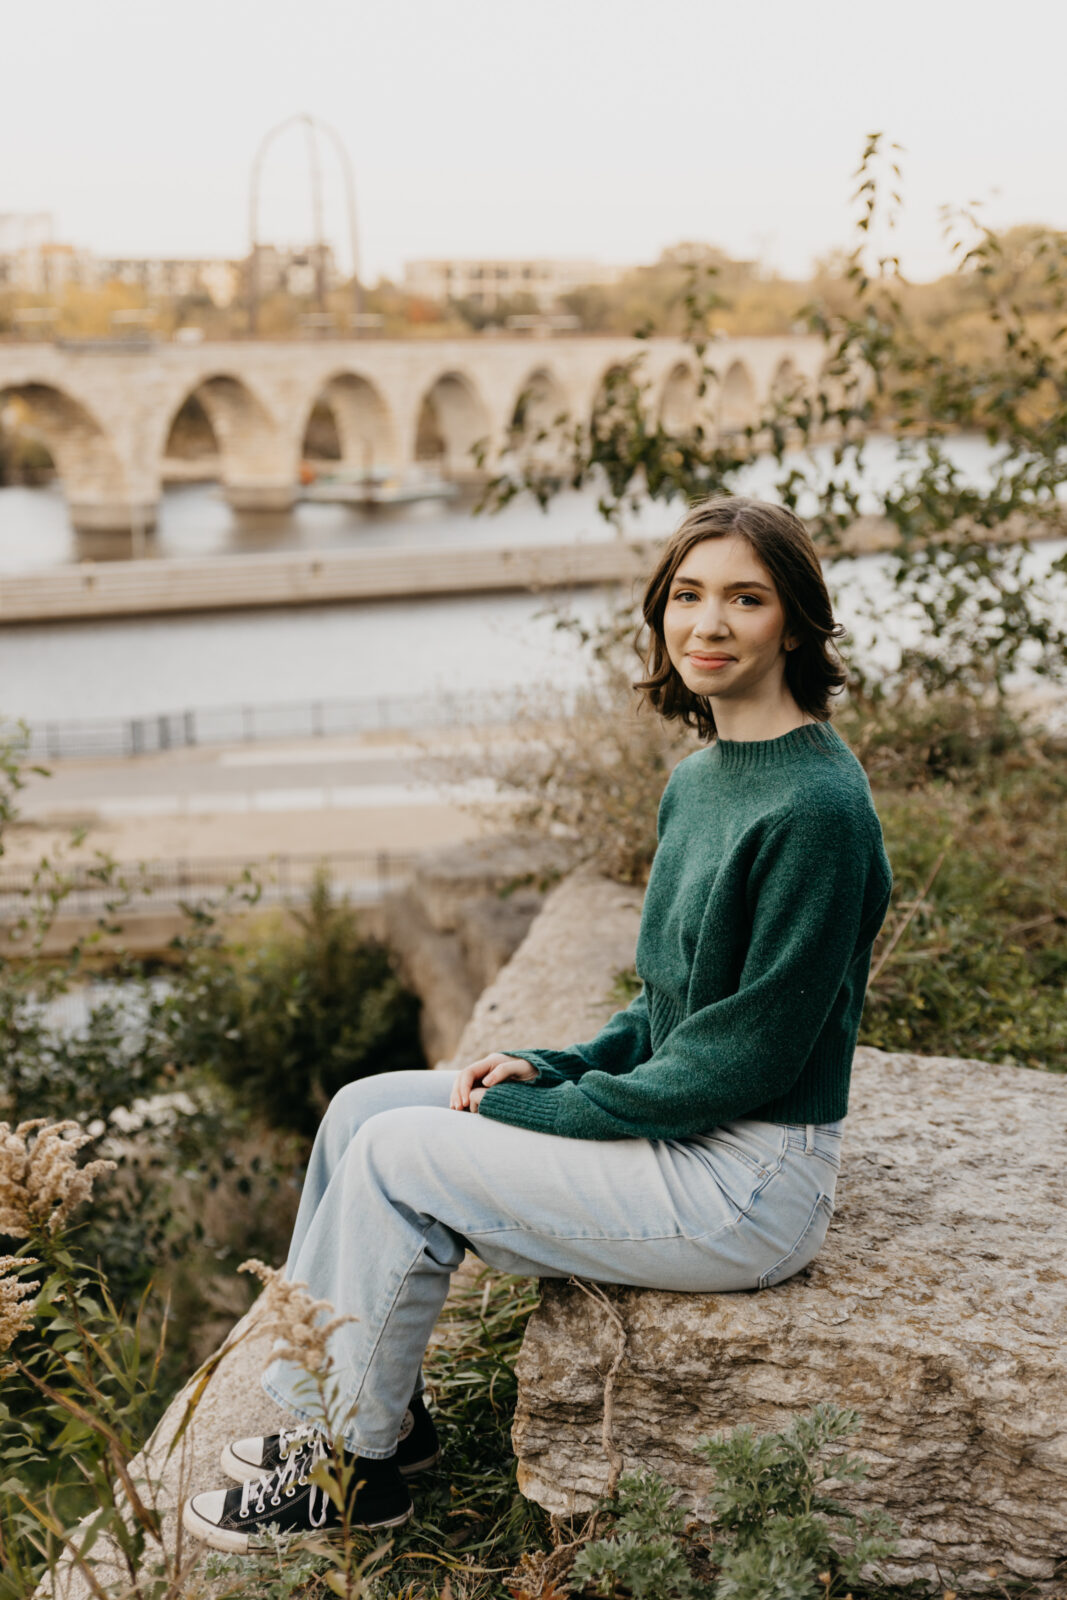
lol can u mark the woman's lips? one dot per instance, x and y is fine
(709, 661)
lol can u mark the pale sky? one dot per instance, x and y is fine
(584, 128)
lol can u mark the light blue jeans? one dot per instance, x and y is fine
(399, 1186)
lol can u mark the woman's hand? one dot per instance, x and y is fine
(490, 1069)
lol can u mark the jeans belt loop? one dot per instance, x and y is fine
(809, 1138)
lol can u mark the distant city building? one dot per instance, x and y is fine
(292, 270)
(20, 230)
(32, 262)
(487, 282)
(46, 268)
(165, 278)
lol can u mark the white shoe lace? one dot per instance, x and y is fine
(294, 1471)
(307, 1431)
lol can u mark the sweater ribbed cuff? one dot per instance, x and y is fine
(551, 1065)
(513, 1102)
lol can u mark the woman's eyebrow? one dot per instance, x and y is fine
(750, 583)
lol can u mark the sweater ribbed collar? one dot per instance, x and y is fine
(749, 755)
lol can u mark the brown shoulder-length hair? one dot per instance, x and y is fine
(813, 669)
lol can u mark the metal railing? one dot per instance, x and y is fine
(247, 724)
(163, 887)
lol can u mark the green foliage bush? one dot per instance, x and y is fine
(286, 1023)
(204, 1084)
(979, 903)
(83, 1398)
(774, 1530)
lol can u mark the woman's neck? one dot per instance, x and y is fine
(738, 722)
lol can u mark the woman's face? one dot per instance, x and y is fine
(724, 625)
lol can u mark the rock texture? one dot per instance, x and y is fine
(559, 986)
(466, 911)
(937, 1308)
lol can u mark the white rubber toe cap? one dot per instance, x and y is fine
(200, 1517)
(243, 1459)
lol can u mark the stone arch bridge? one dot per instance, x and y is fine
(106, 413)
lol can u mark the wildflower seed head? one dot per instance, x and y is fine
(41, 1183)
(15, 1314)
(290, 1314)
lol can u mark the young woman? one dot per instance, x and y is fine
(694, 1143)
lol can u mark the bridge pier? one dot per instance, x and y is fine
(104, 516)
(111, 528)
(262, 497)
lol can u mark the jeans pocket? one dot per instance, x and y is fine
(806, 1247)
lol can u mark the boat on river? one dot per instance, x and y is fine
(368, 487)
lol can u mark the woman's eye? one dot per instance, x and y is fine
(752, 597)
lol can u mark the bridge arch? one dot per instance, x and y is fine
(191, 436)
(737, 398)
(87, 464)
(366, 435)
(787, 380)
(258, 466)
(679, 406)
(540, 403)
(452, 418)
(615, 398)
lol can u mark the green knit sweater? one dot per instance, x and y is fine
(769, 885)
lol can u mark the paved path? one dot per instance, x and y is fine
(347, 794)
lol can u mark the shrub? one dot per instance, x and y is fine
(285, 1023)
(82, 1387)
(776, 1533)
(591, 775)
(178, 1079)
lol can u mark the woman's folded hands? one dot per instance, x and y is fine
(472, 1082)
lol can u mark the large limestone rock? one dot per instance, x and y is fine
(461, 918)
(937, 1308)
(559, 987)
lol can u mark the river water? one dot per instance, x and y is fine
(132, 668)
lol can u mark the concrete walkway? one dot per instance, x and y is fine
(371, 792)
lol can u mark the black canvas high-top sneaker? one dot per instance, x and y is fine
(417, 1448)
(237, 1519)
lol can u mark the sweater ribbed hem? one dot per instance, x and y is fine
(828, 1103)
(751, 755)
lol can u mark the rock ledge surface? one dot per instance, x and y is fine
(937, 1308)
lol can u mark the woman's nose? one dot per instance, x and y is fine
(710, 625)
